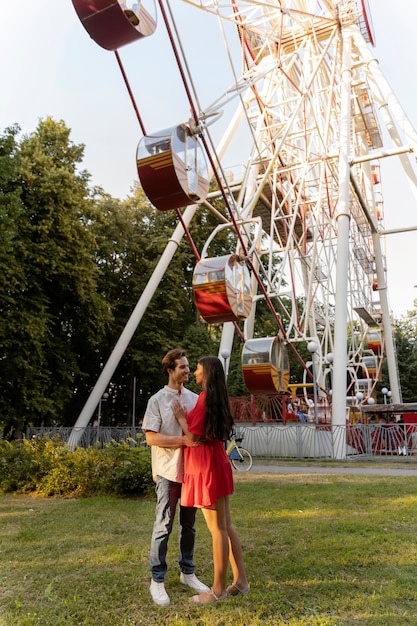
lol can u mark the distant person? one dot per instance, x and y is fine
(290, 408)
(311, 413)
(132, 17)
(402, 431)
(302, 415)
(167, 442)
(208, 479)
(396, 436)
(379, 436)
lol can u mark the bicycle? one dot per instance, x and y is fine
(240, 458)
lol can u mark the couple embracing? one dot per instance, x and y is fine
(186, 433)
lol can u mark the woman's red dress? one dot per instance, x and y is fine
(207, 469)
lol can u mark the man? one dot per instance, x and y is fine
(166, 439)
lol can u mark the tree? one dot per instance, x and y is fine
(405, 333)
(50, 311)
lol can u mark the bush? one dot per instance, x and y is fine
(15, 468)
(48, 467)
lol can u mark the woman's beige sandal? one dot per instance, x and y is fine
(208, 597)
(234, 590)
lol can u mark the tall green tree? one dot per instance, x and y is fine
(51, 310)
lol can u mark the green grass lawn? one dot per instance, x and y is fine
(320, 550)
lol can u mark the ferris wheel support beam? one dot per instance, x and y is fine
(383, 296)
(134, 320)
(129, 330)
(394, 116)
(342, 264)
(386, 322)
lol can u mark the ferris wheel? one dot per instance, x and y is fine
(310, 115)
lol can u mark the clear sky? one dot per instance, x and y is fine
(50, 66)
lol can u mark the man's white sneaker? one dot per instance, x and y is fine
(158, 593)
(192, 581)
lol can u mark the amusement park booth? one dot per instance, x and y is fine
(404, 414)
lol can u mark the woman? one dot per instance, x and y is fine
(208, 479)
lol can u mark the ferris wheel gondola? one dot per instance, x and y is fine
(265, 366)
(370, 367)
(113, 24)
(172, 168)
(222, 289)
(374, 337)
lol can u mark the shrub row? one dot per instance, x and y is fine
(48, 467)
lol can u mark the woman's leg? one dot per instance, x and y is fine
(216, 521)
(240, 580)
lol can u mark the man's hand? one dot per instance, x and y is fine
(189, 443)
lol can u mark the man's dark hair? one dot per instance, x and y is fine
(168, 362)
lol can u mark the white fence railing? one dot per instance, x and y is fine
(293, 441)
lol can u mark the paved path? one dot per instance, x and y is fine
(313, 469)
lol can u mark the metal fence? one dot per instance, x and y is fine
(292, 441)
(90, 436)
(303, 441)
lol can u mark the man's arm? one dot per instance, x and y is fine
(167, 441)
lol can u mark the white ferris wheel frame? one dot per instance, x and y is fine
(316, 115)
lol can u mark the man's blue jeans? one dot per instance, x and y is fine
(167, 496)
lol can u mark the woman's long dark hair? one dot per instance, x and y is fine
(218, 420)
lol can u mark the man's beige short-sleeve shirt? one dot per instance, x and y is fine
(159, 418)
